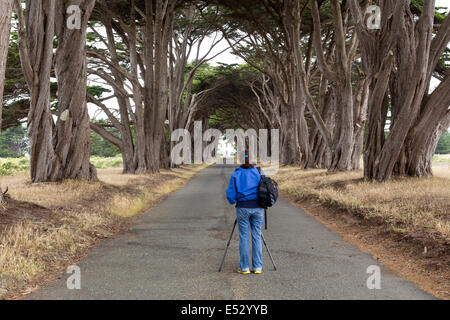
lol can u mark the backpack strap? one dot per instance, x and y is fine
(259, 170)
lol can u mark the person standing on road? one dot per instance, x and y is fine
(243, 190)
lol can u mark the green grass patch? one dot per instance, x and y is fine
(103, 163)
(441, 158)
(11, 166)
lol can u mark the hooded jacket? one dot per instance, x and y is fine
(243, 188)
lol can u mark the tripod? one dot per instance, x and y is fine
(262, 237)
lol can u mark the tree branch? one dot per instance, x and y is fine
(317, 41)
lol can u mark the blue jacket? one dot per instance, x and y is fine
(243, 188)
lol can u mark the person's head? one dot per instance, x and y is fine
(247, 163)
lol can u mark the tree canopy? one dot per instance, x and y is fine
(136, 70)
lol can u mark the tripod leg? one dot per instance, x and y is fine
(268, 251)
(228, 244)
(265, 219)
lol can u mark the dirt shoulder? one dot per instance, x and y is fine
(44, 228)
(404, 232)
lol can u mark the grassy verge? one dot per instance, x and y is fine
(11, 166)
(103, 163)
(441, 159)
(46, 227)
(406, 217)
(407, 205)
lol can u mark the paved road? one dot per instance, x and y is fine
(175, 252)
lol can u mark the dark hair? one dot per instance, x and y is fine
(247, 164)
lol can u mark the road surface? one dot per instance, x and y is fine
(175, 250)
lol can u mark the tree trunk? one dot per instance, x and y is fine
(2, 197)
(343, 146)
(407, 87)
(5, 28)
(417, 154)
(71, 137)
(132, 155)
(36, 33)
(158, 34)
(291, 155)
(131, 146)
(343, 143)
(58, 151)
(139, 164)
(361, 103)
(433, 117)
(417, 119)
(327, 108)
(305, 158)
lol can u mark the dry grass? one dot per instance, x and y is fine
(46, 227)
(404, 223)
(408, 205)
(441, 170)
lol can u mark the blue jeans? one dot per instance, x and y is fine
(250, 218)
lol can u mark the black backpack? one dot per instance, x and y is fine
(267, 191)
